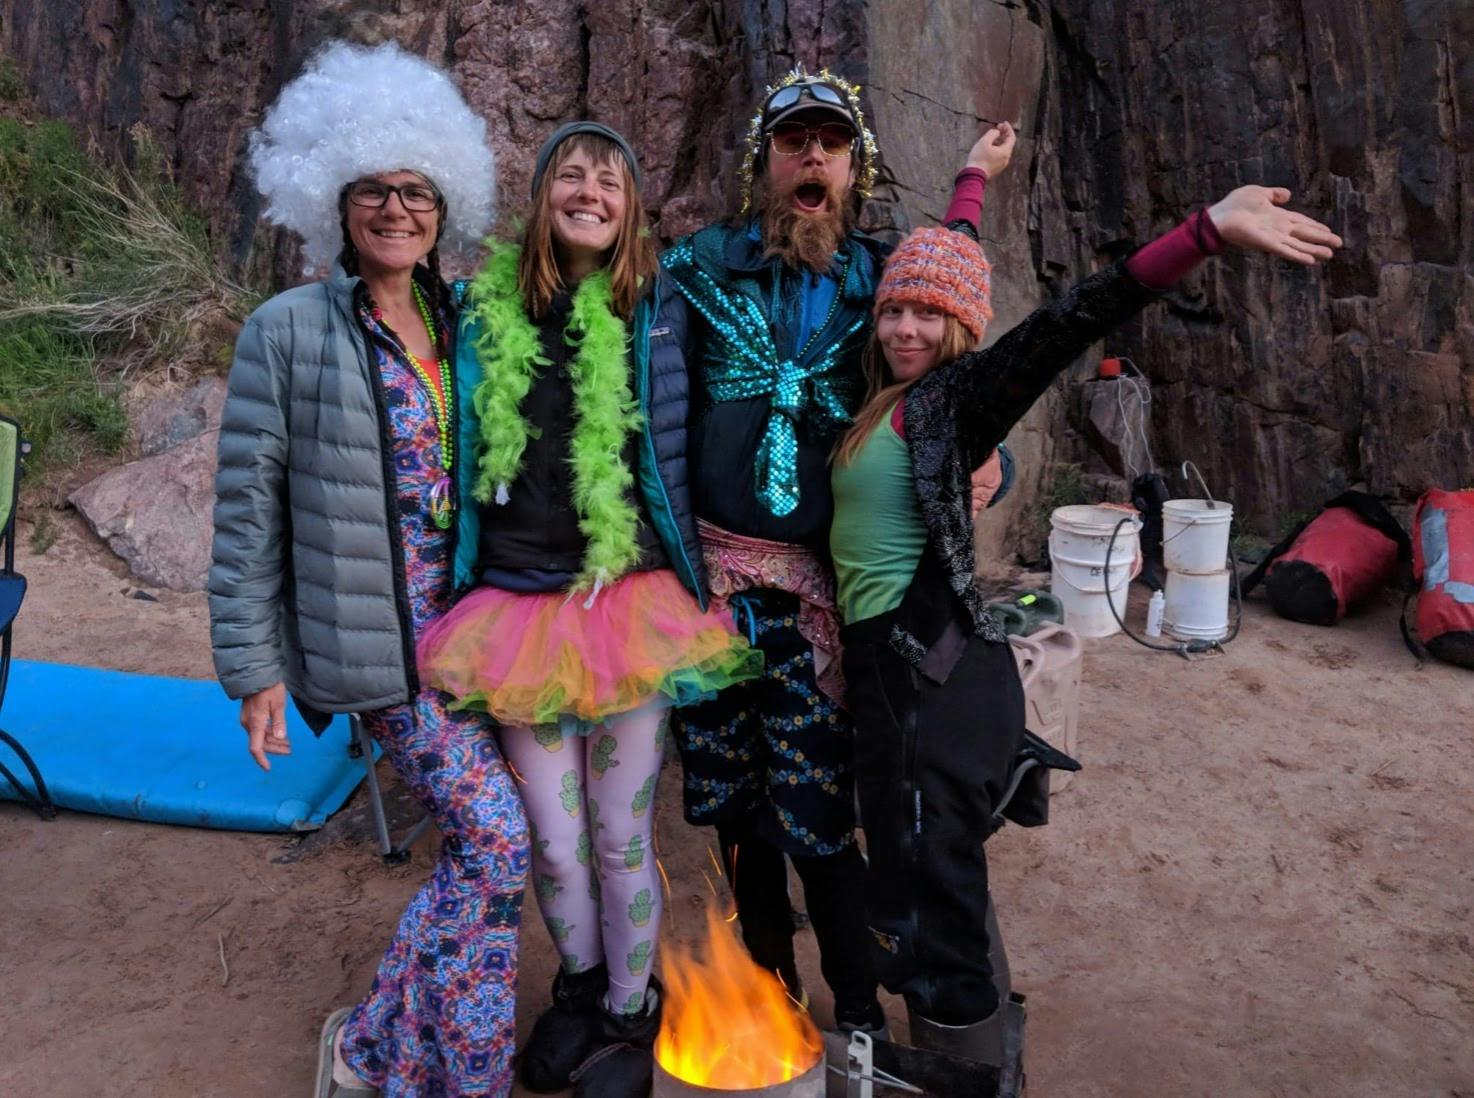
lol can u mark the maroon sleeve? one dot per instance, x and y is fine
(967, 197)
(1172, 256)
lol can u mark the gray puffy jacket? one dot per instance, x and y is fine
(306, 582)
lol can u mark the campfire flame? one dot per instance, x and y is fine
(729, 1024)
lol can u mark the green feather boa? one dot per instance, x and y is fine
(605, 411)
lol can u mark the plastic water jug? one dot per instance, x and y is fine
(1049, 663)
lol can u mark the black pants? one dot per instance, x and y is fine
(931, 761)
(834, 895)
(769, 763)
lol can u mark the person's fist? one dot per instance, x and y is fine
(987, 478)
(993, 150)
(1253, 218)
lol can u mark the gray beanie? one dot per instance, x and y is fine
(567, 130)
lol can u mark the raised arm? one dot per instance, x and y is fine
(989, 155)
(992, 389)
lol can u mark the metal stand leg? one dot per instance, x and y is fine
(414, 833)
(361, 745)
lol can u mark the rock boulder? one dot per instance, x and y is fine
(155, 512)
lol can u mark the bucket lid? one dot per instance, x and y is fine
(1089, 518)
(1199, 510)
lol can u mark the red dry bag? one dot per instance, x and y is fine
(1324, 567)
(1443, 571)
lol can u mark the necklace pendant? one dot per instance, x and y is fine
(441, 509)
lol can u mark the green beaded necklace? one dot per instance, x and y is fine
(442, 399)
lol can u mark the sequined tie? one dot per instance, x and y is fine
(740, 362)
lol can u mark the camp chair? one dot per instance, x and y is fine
(12, 592)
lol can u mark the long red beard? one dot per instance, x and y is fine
(800, 238)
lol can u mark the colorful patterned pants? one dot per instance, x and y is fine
(439, 1019)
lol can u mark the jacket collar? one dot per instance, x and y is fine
(343, 288)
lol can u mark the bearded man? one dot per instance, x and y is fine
(771, 313)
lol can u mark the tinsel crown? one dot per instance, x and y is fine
(864, 181)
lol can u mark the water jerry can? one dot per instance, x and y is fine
(1049, 663)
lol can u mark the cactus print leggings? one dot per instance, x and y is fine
(590, 804)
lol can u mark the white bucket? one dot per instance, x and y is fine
(1078, 540)
(1197, 605)
(1195, 535)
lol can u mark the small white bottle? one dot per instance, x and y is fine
(1154, 613)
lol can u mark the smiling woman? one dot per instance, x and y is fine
(586, 216)
(587, 620)
(333, 537)
(393, 220)
(588, 204)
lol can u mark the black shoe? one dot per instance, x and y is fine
(866, 1017)
(564, 1036)
(623, 1064)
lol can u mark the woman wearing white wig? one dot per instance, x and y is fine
(334, 536)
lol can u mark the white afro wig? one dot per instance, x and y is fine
(356, 111)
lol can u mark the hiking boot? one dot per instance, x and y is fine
(623, 1064)
(866, 1018)
(564, 1035)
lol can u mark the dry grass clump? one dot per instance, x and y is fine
(105, 274)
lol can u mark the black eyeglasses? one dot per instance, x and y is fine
(792, 138)
(787, 97)
(418, 197)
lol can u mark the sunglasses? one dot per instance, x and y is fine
(792, 138)
(417, 197)
(787, 97)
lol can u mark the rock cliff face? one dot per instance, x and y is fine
(1283, 385)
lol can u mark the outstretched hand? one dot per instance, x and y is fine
(1252, 218)
(993, 150)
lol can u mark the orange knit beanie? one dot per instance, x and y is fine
(944, 269)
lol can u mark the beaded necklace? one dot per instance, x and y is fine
(441, 400)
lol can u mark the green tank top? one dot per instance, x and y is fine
(878, 534)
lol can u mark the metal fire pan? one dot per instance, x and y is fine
(808, 1085)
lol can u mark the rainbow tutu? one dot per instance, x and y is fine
(537, 658)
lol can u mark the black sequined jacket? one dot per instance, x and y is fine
(960, 411)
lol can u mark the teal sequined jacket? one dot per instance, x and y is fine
(766, 408)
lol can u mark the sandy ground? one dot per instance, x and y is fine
(1263, 884)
